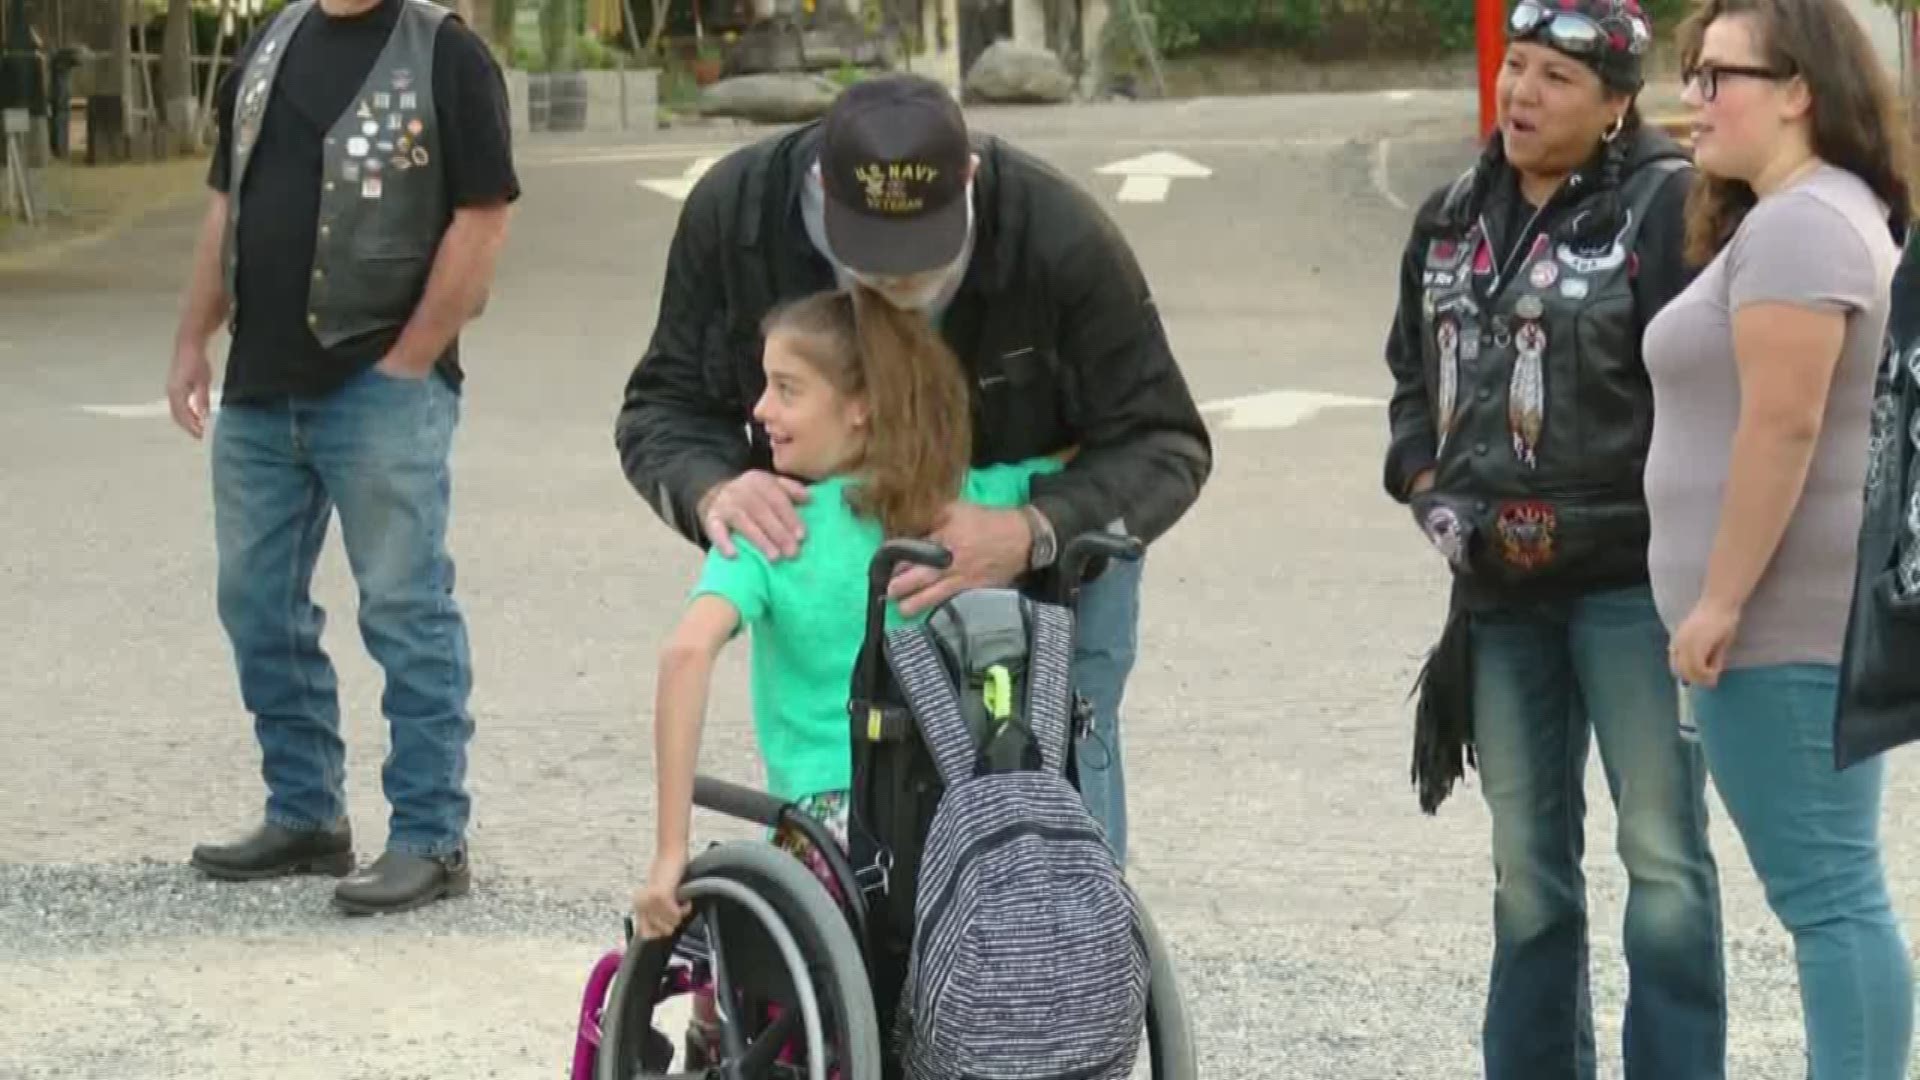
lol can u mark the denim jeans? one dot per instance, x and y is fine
(1545, 676)
(1813, 836)
(1107, 628)
(377, 450)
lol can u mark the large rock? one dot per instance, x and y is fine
(770, 99)
(1011, 72)
(828, 41)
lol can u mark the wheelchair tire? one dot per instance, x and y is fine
(817, 926)
(1170, 1050)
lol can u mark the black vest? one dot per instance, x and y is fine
(383, 202)
(1541, 402)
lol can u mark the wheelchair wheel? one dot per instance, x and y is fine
(776, 938)
(1170, 1049)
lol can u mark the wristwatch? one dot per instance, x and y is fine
(1044, 548)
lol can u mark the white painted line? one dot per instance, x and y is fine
(1399, 95)
(146, 410)
(1381, 183)
(1276, 409)
(1145, 189)
(622, 156)
(679, 187)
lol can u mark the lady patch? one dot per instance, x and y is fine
(1525, 533)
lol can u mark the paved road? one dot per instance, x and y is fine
(1324, 927)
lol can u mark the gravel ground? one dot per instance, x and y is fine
(1324, 929)
(148, 970)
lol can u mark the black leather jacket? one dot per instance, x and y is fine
(1518, 374)
(1054, 323)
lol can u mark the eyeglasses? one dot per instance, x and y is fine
(1572, 33)
(1707, 76)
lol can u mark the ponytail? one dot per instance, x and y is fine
(921, 441)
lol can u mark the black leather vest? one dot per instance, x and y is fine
(383, 203)
(1541, 401)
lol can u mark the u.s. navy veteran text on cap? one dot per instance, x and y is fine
(894, 163)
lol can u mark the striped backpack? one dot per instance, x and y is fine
(1027, 960)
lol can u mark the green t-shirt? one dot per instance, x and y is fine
(807, 616)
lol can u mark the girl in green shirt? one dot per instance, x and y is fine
(866, 404)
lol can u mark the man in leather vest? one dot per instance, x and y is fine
(1031, 285)
(361, 190)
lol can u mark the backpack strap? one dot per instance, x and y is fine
(934, 701)
(1050, 682)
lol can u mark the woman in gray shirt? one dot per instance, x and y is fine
(1762, 374)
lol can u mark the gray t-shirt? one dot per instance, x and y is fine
(1822, 242)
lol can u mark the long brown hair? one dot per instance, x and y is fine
(1855, 115)
(921, 438)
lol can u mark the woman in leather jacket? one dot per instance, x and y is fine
(1520, 422)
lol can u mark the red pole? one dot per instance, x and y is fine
(1491, 35)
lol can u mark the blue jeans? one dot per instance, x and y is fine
(377, 450)
(1545, 676)
(1107, 627)
(1813, 836)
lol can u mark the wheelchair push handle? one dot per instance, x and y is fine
(892, 554)
(737, 802)
(879, 575)
(1083, 551)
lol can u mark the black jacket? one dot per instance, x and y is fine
(1879, 693)
(1560, 511)
(1053, 322)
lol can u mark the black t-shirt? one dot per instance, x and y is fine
(274, 353)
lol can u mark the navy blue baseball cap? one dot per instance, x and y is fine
(894, 157)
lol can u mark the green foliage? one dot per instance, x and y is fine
(1186, 25)
(1351, 27)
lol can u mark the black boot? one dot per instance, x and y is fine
(397, 882)
(275, 851)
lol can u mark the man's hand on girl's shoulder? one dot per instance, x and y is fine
(759, 506)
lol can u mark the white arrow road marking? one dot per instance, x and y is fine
(1149, 177)
(677, 188)
(1275, 409)
(1145, 189)
(148, 410)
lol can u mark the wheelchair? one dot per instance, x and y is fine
(804, 978)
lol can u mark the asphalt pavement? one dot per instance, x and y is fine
(1324, 927)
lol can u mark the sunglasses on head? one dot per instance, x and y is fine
(1568, 31)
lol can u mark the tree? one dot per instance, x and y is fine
(176, 74)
